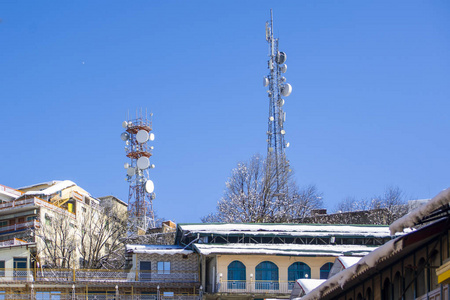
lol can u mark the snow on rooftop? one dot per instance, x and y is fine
(38, 184)
(289, 229)
(415, 216)
(309, 284)
(348, 261)
(157, 249)
(284, 249)
(58, 186)
(368, 261)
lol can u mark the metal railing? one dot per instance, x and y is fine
(97, 275)
(29, 224)
(110, 295)
(252, 286)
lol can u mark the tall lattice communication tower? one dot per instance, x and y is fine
(141, 191)
(277, 87)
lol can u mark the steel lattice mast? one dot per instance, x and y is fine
(140, 197)
(278, 87)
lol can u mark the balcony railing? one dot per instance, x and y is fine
(19, 226)
(97, 275)
(252, 286)
(55, 295)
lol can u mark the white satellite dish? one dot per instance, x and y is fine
(143, 163)
(286, 89)
(124, 136)
(266, 81)
(124, 124)
(152, 166)
(287, 145)
(283, 131)
(151, 137)
(149, 186)
(281, 102)
(283, 68)
(126, 165)
(271, 119)
(281, 58)
(142, 136)
(131, 171)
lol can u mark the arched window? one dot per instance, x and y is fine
(369, 294)
(386, 293)
(266, 276)
(421, 278)
(397, 285)
(325, 270)
(296, 271)
(236, 275)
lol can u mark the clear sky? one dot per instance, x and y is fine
(369, 108)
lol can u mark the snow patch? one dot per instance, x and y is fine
(53, 189)
(415, 216)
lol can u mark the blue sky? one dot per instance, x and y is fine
(369, 106)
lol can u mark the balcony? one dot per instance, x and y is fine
(98, 275)
(254, 287)
(19, 226)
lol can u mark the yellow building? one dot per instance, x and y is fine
(253, 261)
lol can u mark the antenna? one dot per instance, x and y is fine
(277, 87)
(141, 191)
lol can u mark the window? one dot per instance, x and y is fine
(2, 295)
(48, 220)
(266, 276)
(32, 218)
(48, 295)
(296, 271)
(236, 275)
(3, 223)
(145, 268)
(20, 268)
(164, 267)
(2, 268)
(325, 270)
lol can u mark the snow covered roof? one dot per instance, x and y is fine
(304, 286)
(315, 230)
(343, 262)
(157, 249)
(348, 261)
(368, 261)
(4, 195)
(415, 216)
(58, 186)
(38, 184)
(284, 249)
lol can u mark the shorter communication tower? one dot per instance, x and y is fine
(140, 197)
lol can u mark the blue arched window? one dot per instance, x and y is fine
(296, 271)
(266, 276)
(236, 275)
(325, 270)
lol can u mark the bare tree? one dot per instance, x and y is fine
(381, 209)
(255, 194)
(101, 238)
(56, 240)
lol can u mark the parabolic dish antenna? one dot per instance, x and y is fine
(149, 186)
(266, 81)
(124, 124)
(143, 163)
(142, 136)
(151, 137)
(281, 58)
(124, 136)
(283, 68)
(131, 171)
(286, 89)
(126, 165)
